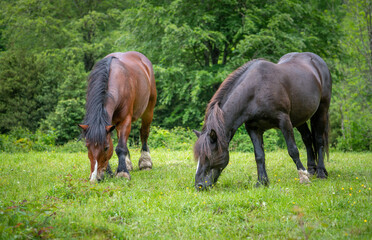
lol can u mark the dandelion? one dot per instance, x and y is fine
(294, 203)
(342, 189)
(351, 188)
(339, 175)
(278, 180)
(365, 220)
(275, 175)
(356, 178)
(362, 185)
(350, 194)
(359, 190)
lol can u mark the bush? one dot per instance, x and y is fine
(72, 146)
(69, 113)
(242, 142)
(177, 138)
(23, 140)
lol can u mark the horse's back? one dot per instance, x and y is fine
(133, 83)
(136, 60)
(313, 63)
(309, 81)
(293, 86)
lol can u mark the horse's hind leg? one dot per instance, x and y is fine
(286, 127)
(145, 162)
(319, 128)
(259, 154)
(308, 141)
(123, 130)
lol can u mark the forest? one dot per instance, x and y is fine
(48, 48)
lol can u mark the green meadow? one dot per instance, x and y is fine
(48, 195)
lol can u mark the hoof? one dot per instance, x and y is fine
(259, 184)
(145, 162)
(304, 176)
(321, 173)
(146, 168)
(311, 171)
(128, 163)
(123, 175)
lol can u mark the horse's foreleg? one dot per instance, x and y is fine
(145, 162)
(109, 171)
(259, 153)
(308, 141)
(286, 127)
(122, 151)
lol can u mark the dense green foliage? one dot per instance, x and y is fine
(47, 196)
(48, 49)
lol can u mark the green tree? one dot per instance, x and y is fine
(351, 106)
(194, 45)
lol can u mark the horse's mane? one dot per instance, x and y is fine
(96, 116)
(214, 117)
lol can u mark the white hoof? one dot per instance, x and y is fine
(145, 162)
(128, 162)
(304, 176)
(123, 175)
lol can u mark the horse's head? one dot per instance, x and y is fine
(99, 151)
(211, 152)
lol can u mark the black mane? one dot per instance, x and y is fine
(96, 116)
(214, 117)
(228, 85)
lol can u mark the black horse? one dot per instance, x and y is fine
(265, 95)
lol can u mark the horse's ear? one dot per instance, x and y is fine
(110, 128)
(197, 133)
(213, 136)
(83, 126)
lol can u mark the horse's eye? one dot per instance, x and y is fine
(106, 148)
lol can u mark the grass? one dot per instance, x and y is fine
(47, 195)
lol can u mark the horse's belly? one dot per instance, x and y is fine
(303, 110)
(140, 106)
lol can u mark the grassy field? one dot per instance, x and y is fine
(47, 195)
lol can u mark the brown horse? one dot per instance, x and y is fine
(121, 89)
(264, 95)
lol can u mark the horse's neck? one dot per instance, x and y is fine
(232, 118)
